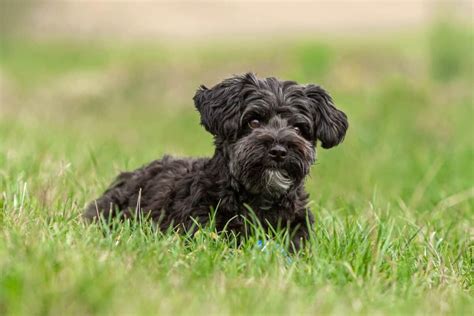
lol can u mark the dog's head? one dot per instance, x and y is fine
(268, 129)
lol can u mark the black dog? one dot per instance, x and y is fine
(265, 133)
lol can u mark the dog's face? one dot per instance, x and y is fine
(268, 129)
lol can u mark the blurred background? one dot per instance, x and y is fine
(88, 88)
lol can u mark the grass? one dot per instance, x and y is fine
(393, 204)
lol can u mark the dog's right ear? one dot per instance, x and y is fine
(221, 105)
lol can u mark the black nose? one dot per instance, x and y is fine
(278, 152)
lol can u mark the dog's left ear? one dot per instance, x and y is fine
(220, 105)
(331, 123)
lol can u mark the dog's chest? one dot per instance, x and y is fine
(267, 210)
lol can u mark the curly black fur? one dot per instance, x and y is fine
(265, 133)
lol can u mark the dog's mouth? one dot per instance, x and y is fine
(276, 181)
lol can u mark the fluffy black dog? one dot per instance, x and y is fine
(265, 133)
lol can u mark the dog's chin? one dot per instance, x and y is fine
(271, 182)
(276, 181)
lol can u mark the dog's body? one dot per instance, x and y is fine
(265, 134)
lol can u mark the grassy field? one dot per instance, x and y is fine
(393, 204)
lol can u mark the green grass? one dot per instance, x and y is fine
(393, 204)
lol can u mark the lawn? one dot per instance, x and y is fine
(393, 203)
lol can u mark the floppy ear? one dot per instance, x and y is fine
(331, 124)
(220, 105)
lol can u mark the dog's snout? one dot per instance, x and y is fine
(278, 152)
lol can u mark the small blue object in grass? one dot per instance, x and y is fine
(267, 246)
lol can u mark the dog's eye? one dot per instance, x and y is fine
(254, 124)
(297, 130)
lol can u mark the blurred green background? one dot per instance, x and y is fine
(88, 89)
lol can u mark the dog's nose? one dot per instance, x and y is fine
(278, 152)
